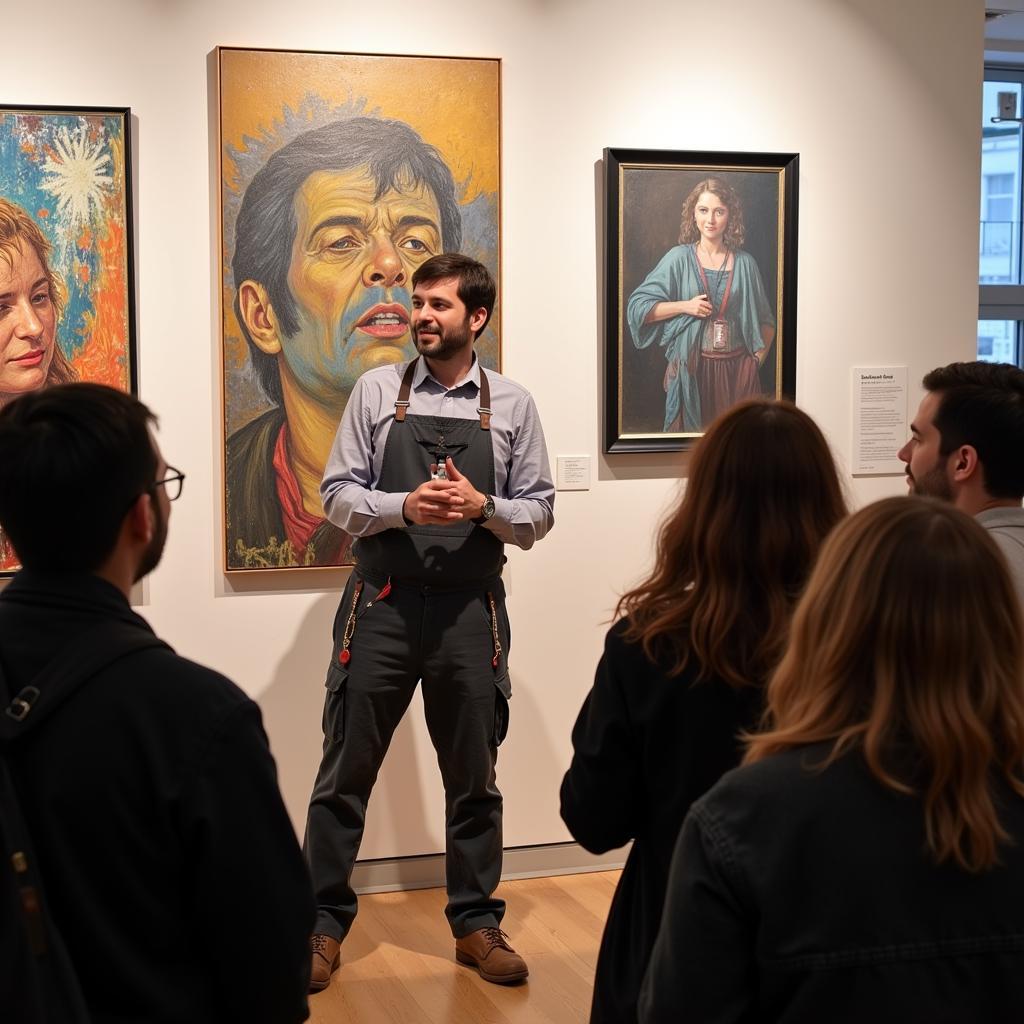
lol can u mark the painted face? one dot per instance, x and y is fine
(351, 263)
(28, 321)
(926, 466)
(711, 215)
(440, 321)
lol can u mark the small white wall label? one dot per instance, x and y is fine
(572, 473)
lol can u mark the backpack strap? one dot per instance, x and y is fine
(67, 671)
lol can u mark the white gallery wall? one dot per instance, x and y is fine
(881, 99)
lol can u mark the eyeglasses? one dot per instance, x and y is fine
(174, 481)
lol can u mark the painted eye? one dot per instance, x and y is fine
(414, 245)
(345, 244)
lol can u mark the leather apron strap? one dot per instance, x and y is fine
(451, 556)
(402, 402)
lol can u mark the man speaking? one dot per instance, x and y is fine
(436, 466)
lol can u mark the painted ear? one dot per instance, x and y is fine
(258, 315)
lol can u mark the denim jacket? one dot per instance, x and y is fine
(799, 894)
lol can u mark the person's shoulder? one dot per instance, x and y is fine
(1006, 521)
(383, 374)
(171, 680)
(500, 380)
(618, 645)
(257, 433)
(374, 388)
(776, 787)
(673, 257)
(629, 660)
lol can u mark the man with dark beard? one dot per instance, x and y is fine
(149, 792)
(436, 466)
(967, 447)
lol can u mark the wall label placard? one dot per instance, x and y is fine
(879, 419)
(573, 473)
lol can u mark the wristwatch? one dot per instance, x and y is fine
(487, 512)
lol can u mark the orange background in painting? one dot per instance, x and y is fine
(451, 102)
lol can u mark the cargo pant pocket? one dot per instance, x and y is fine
(502, 695)
(334, 704)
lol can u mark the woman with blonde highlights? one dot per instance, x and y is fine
(31, 299)
(683, 668)
(867, 861)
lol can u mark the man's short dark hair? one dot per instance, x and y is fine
(476, 288)
(73, 458)
(397, 158)
(982, 405)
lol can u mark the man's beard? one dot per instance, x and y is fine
(151, 556)
(934, 483)
(448, 343)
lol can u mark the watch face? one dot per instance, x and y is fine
(488, 509)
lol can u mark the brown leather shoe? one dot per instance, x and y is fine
(326, 958)
(487, 950)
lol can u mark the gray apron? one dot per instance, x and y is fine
(444, 556)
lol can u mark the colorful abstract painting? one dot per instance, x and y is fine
(340, 174)
(66, 288)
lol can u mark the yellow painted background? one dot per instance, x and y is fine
(452, 102)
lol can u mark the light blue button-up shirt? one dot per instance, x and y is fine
(525, 498)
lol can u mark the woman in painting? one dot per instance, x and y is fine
(706, 306)
(31, 293)
(867, 861)
(683, 666)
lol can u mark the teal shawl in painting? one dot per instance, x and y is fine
(676, 279)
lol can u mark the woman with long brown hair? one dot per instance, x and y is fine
(683, 666)
(705, 304)
(867, 864)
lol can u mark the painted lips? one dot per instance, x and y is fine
(33, 358)
(385, 321)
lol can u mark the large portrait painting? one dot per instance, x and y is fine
(340, 175)
(66, 287)
(701, 290)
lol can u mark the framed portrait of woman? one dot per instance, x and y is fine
(701, 290)
(67, 291)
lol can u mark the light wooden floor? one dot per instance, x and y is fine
(398, 967)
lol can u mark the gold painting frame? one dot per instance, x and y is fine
(406, 124)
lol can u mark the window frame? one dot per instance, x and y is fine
(1006, 301)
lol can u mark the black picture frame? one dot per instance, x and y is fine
(656, 369)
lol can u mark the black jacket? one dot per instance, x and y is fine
(254, 523)
(170, 865)
(803, 896)
(646, 745)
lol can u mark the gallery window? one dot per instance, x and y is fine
(1001, 288)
